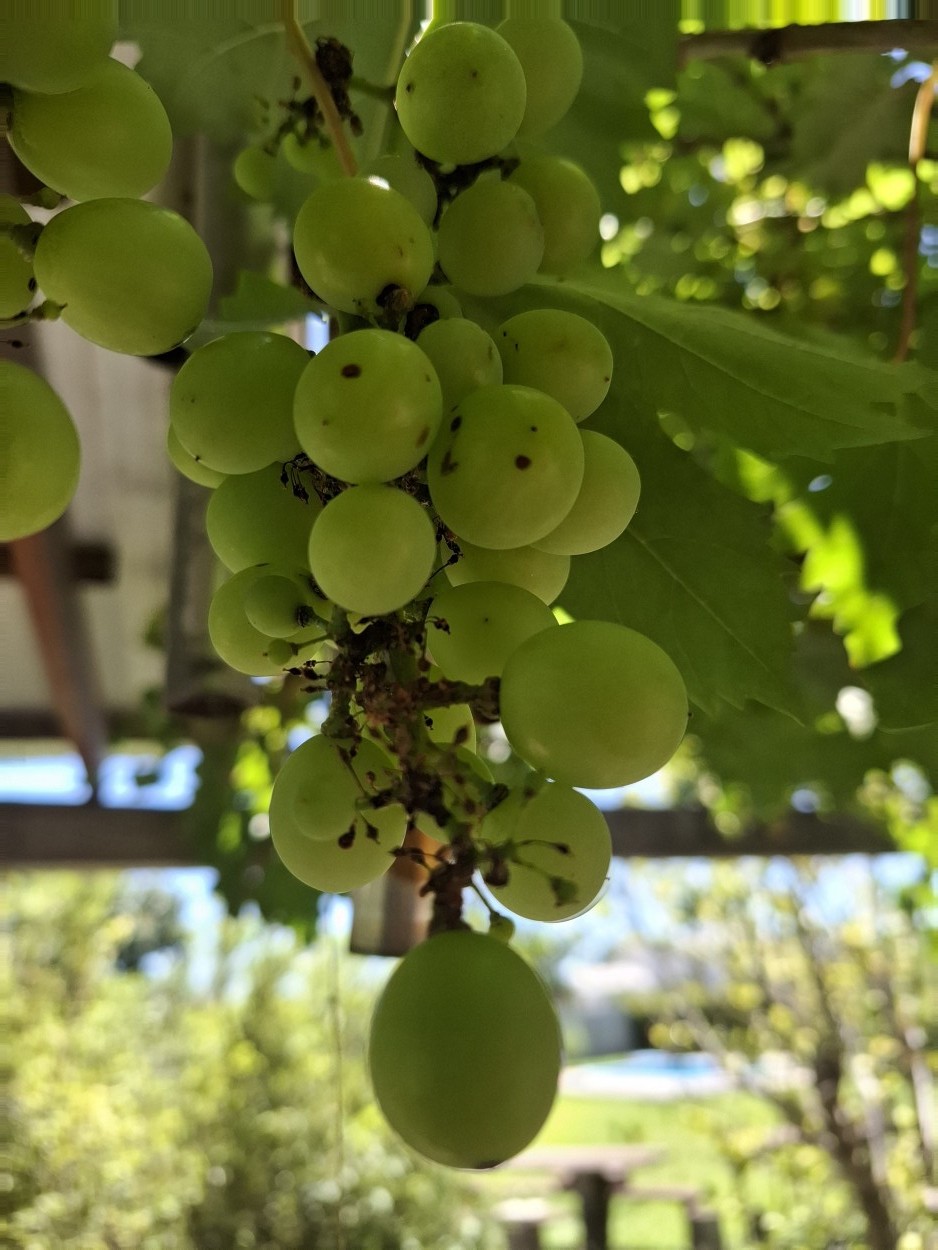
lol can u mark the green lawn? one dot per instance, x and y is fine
(688, 1129)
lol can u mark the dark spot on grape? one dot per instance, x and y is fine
(522, 462)
(455, 423)
(448, 464)
(32, 284)
(606, 378)
(423, 436)
(427, 378)
(326, 421)
(347, 839)
(351, 371)
(409, 88)
(473, 73)
(533, 429)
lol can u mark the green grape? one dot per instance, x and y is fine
(327, 780)
(254, 518)
(552, 61)
(453, 724)
(463, 355)
(473, 1000)
(191, 468)
(506, 467)
(39, 453)
(16, 273)
(133, 277)
(55, 51)
(491, 240)
(559, 353)
(442, 299)
(539, 572)
(593, 704)
(563, 851)
(311, 156)
(404, 175)
(323, 864)
(372, 549)
(237, 642)
(231, 403)
(353, 240)
(606, 502)
(368, 406)
(110, 137)
(280, 652)
(255, 172)
(568, 207)
(277, 604)
(461, 93)
(484, 623)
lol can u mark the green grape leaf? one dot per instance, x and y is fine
(725, 373)
(905, 687)
(700, 579)
(259, 302)
(719, 101)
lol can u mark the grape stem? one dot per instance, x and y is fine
(300, 48)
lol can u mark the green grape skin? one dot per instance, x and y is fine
(253, 518)
(537, 571)
(231, 403)
(323, 864)
(110, 137)
(372, 549)
(557, 834)
(327, 778)
(255, 172)
(39, 453)
(277, 603)
(461, 94)
(464, 783)
(442, 299)
(491, 240)
(474, 1000)
(354, 239)
(506, 467)
(280, 652)
(404, 175)
(559, 353)
(552, 61)
(368, 406)
(234, 638)
(311, 157)
(451, 725)
(40, 51)
(593, 704)
(484, 623)
(606, 502)
(463, 355)
(568, 208)
(191, 468)
(16, 273)
(133, 277)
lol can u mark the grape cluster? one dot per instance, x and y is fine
(122, 272)
(398, 513)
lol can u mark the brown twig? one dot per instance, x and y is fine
(792, 43)
(299, 47)
(921, 112)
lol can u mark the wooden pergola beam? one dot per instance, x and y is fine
(87, 562)
(46, 836)
(774, 44)
(42, 564)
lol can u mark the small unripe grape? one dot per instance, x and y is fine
(568, 207)
(461, 94)
(559, 353)
(111, 137)
(606, 502)
(39, 453)
(372, 549)
(55, 51)
(133, 277)
(453, 724)
(404, 175)
(442, 299)
(274, 603)
(506, 467)
(326, 779)
(255, 172)
(191, 468)
(354, 239)
(255, 518)
(237, 642)
(541, 573)
(463, 355)
(552, 61)
(593, 704)
(474, 1002)
(16, 273)
(368, 406)
(473, 629)
(311, 157)
(491, 240)
(231, 403)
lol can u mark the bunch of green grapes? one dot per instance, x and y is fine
(122, 272)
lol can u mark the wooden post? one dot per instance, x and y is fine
(704, 1230)
(595, 1192)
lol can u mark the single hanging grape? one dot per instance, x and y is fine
(541, 573)
(192, 468)
(552, 61)
(606, 502)
(58, 47)
(39, 453)
(461, 94)
(326, 779)
(568, 208)
(491, 240)
(473, 629)
(464, 1050)
(237, 642)
(255, 518)
(559, 353)
(463, 355)
(404, 175)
